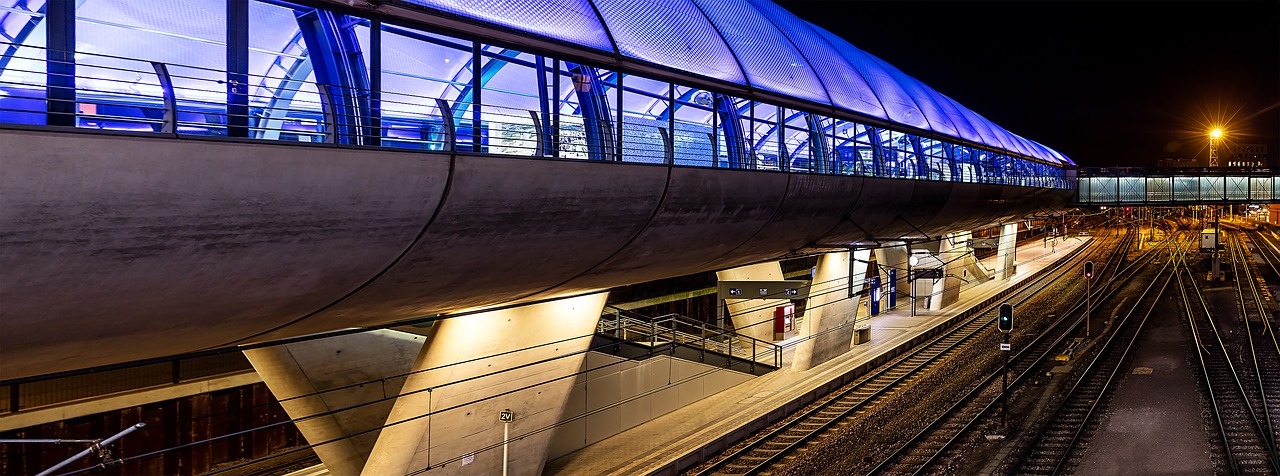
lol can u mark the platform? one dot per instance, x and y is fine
(675, 439)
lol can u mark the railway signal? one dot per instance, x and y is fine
(1004, 323)
(1088, 270)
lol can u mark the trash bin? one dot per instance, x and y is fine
(861, 335)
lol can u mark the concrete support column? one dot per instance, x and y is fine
(830, 313)
(1004, 255)
(926, 289)
(956, 255)
(363, 368)
(524, 359)
(753, 317)
(894, 257)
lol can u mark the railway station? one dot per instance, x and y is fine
(590, 237)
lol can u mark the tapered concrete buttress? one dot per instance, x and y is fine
(475, 366)
(831, 312)
(923, 291)
(351, 375)
(1005, 254)
(753, 317)
(955, 254)
(894, 257)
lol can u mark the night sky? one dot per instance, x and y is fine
(1105, 83)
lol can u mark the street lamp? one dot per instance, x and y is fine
(1214, 135)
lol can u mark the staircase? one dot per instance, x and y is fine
(637, 337)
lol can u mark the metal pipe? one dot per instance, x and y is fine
(111, 439)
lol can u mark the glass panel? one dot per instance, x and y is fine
(937, 164)
(764, 136)
(795, 142)
(854, 148)
(693, 127)
(1237, 188)
(1212, 188)
(1102, 190)
(586, 114)
(1186, 189)
(509, 82)
(22, 68)
(417, 69)
(125, 94)
(1159, 189)
(1132, 189)
(645, 130)
(1260, 188)
(282, 93)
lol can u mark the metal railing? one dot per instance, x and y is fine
(672, 330)
(107, 92)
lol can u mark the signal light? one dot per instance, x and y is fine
(1005, 322)
(1088, 270)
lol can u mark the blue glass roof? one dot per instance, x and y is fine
(755, 44)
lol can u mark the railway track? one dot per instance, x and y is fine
(1242, 434)
(931, 445)
(772, 447)
(1072, 422)
(1269, 350)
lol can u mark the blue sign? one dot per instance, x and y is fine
(893, 288)
(875, 295)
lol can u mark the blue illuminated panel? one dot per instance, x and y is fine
(938, 120)
(568, 20)
(845, 86)
(670, 33)
(768, 58)
(897, 103)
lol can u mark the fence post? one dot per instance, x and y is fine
(170, 100)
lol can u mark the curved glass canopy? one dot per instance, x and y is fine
(752, 43)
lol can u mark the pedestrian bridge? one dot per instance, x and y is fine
(1176, 186)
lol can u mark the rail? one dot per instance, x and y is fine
(672, 330)
(127, 95)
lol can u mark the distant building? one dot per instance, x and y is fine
(1247, 155)
(1180, 162)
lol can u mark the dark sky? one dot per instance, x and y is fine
(1106, 83)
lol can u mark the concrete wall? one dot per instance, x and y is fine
(753, 317)
(652, 388)
(474, 367)
(346, 373)
(830, 313)
(111, 244)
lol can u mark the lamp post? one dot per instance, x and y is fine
(1214, 135)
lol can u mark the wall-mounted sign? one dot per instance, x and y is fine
(783, 289)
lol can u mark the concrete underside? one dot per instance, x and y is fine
(115, 248)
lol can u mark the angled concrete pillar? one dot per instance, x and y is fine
(753, 317)
(894, 257)
(830, 313)
(924, 289)
(524, 359)
(318, 376)
(956, 257)
(1004, 255)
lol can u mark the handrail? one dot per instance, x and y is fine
(710, 338)
(282, 107)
